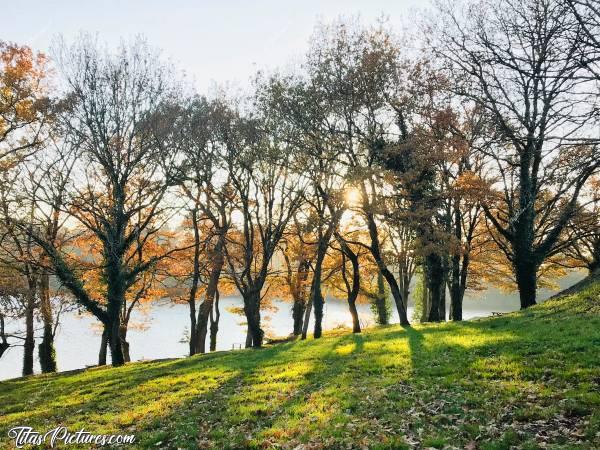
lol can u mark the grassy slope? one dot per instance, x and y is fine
(525, 380)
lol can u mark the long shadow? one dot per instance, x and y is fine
(112, 391)
(447, 378)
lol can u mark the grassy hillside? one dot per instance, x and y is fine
(527, 380)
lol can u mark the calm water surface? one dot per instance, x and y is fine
(78, 337)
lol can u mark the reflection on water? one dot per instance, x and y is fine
(78, 337)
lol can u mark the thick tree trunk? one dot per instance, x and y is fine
(46, 350)
(114, 342)
(29, 345)
(298, 309)
(298, 288)
(526, 274)
(252, 311)
(525, 260)
(405, 294)
(103, 346)
(443, 301)
(435, 281)
(354, 314)
(426, 301)
(318, 302)
(202, 326)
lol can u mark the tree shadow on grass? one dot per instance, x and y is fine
(453, 382)
(135, 396)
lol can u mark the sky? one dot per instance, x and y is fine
(223, 42)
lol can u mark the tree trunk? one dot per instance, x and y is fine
(124, 343)
(387, 274)
(252, 311)
(455, 297)
(435, 281)
(298, 288)
(405, 294)
(193, 340)
(298, 309)
(114, 342)
(526, 274)
(426, 302)
(46, 351)
(248, 338)
(103, 346)
(315, 292)
(4, 345)
(354, 288)
(396, 294)
(307, 313)
(202, 326)
(442, 304)
(211, 291)
(525, 261)
(380, 301)
(354, 314)
(214, 323)
(318, 302)
(29, 346)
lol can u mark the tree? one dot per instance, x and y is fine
(297, 258)
(20, 256)
(351, 283)
(463, 180)
(587, 13)
(268, 192)
(12, 306)
(582, 237)
(24, 106)
(204, 133)
(519, 63)
(118, 123)
(357, 69)
(301, 105)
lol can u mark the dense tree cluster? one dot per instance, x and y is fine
(472, 160)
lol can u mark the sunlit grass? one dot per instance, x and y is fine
(527, 380)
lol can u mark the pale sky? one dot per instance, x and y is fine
(212, 41)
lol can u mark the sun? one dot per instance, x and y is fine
(352, 197)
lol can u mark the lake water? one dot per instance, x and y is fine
(78, 337)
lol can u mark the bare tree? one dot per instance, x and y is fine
(268, 192)
(117, 120)
(205, 132)
(519, 62)
(587, 13)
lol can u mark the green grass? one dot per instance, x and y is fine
(524, 380)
